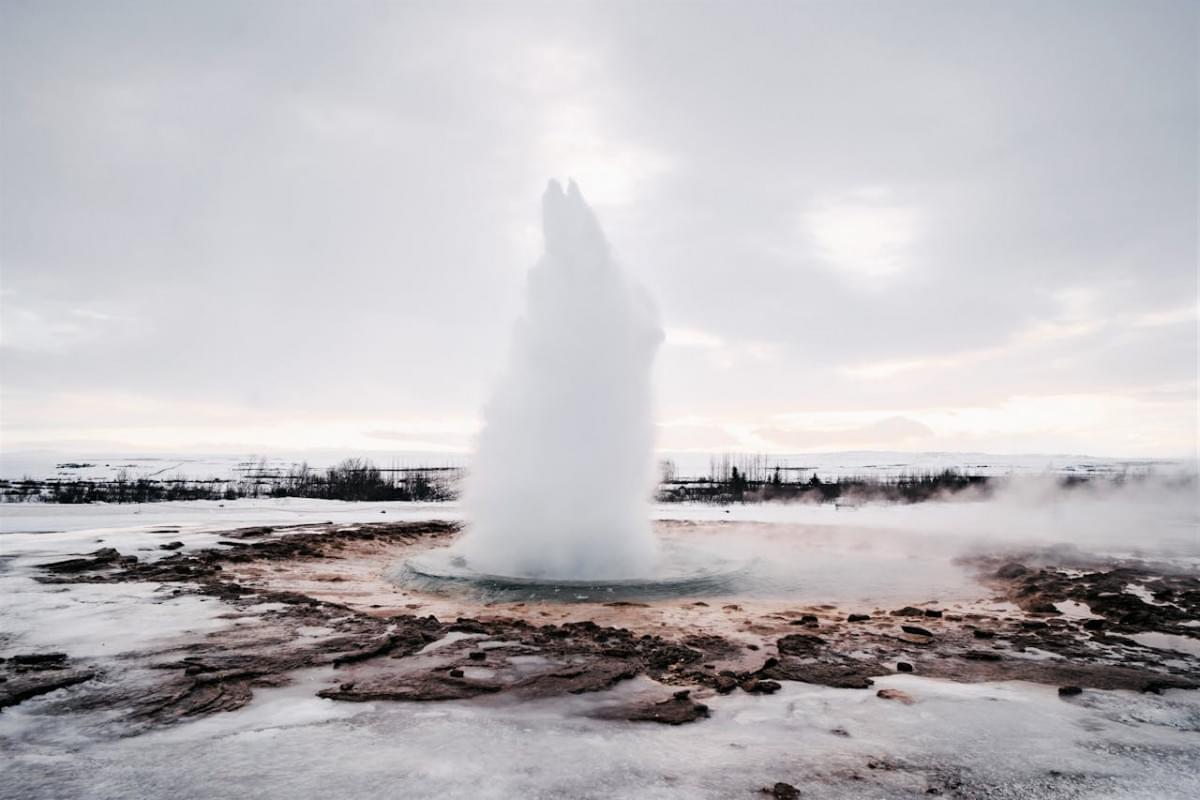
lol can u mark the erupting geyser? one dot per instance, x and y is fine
(559, 487)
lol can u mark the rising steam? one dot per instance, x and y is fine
(559, 486)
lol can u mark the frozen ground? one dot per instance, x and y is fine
(988, 739)
(982, 740)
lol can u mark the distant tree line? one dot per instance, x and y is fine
(351, 479)
(757, 484)
(745, 479)
(753, 480)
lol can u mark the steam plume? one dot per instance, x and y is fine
(560, 483)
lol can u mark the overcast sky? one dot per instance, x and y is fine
(905, 225)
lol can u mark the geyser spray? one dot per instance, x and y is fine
(559, 486)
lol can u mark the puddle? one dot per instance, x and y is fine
(1169, 641)
(448, 639)
(1073, 610)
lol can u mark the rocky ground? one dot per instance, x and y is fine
(315, 596)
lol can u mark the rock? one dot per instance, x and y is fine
(1011, 570)
(1033, 624)
(23, 686)
(800, 644)
(982, 655)
(903, 666)
(578, 678)
(1094, 624)
(477, 655)
(858, 617)
(1069, 691)
(759, 686)
(908, 611)
(895, 694)
(170, 546)
(980, 634)
(807, 619)
(840, 672)
(1044, 608)
(916, 630)
(456, 673)
(933, 612)
(679, 709)
(40, 660)
(104, 557)
(464, 625)
(783, 791)
(374, 648)
(415, 688)
(725, 684)
(661, 658)
(714, 647)
(1156, 687)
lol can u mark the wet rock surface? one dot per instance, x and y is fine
(678, 709)
(27, 675)
(782, 791)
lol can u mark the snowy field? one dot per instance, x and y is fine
(1017, 740)
(1001, 740)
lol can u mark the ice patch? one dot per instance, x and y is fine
(448, 639)
(1168, 641)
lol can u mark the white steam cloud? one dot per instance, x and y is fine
(560, 484)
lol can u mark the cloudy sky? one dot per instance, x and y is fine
(903, 225)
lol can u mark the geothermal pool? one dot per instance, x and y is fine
(733, 560)
(676, 570)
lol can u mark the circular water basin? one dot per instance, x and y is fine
(680, 571)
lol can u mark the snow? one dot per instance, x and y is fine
(207, 515)
(1008, 739)
(1070, 609)
(1004, 740)
(90, 620)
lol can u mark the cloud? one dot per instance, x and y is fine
(685, 337)
(696, 437)
(885, 433)
(302, 214)
(864, 236)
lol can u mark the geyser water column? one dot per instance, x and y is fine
(559, 486)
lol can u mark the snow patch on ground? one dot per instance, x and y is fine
(1010, 740)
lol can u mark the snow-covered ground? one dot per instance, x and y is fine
(205, 515)
(1003, 740)
(1007, 740)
